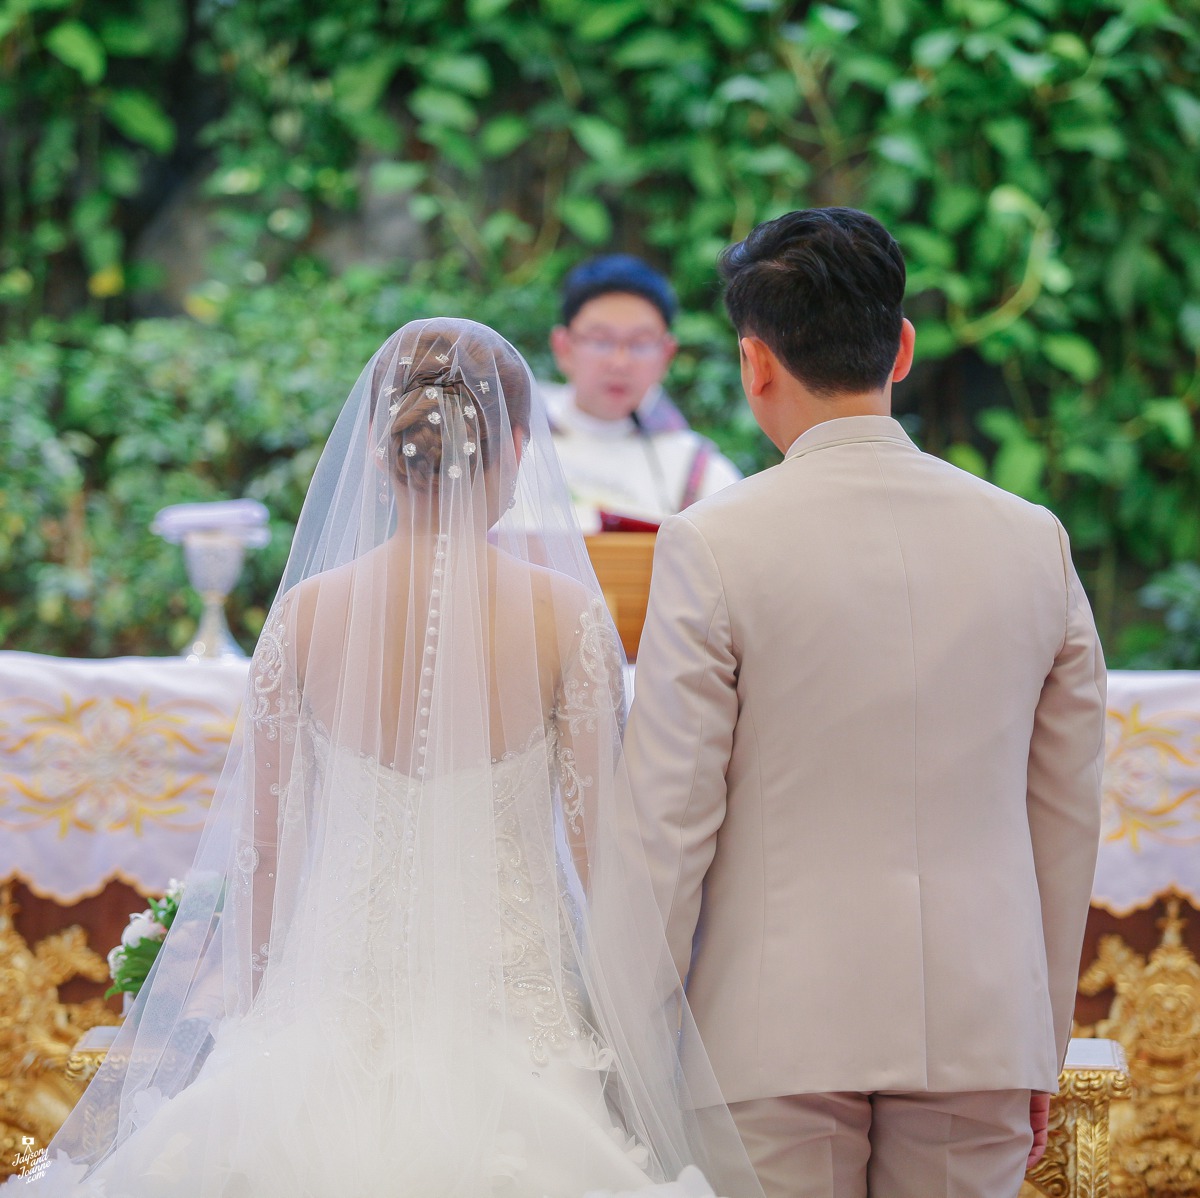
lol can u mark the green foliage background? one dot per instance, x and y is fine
(1039, 160)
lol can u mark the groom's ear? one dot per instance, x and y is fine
(904, 356)
(759, 366)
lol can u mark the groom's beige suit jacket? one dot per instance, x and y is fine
(866, 745)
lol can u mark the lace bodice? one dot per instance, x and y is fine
(379, 842)
(373, 869)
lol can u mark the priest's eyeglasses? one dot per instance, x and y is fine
(601, 345)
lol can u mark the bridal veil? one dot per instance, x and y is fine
(418, 952)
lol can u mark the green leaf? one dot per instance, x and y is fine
(564, 11)
(482, 10)
(120, 169)
(1084, 461)
(457, 148)
(904, 95)
(730, 25)
(436, 106)
(871, 70)
(1103, 141)
(1057, 277)
(1112, 37)
(92, 213)
(926, 247)
(390, 178)
(600, 140)
(1174, 419)
(236, 181)
(650, 48)
(127, 37)
(1000, 424)
(1189, 323)
(140, 119)
(503, 134)
(1126, 266)
(586, 217)
(1029, 69)
(744, 87)
(935, 49)
(467, 73)
(608, 19)
(424, 208)
(289, 223)
(1008, 200)
(376, 127)
(1156, 14)
(1019, 466)
(76, 45)
(167, 22)
(502, 227)
(359, 86)
(1010, 135)
(953, 206)
(985, 12)
(904, 150)
(827, 20)
(773, 162)
(1069, 47)
(935, 340)
(967, 457)
(1186, 109)
(1074, 354)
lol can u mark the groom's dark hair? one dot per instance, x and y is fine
(824, 289)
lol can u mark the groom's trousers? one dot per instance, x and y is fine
(915, 1145)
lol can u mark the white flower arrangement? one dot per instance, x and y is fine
(131, 960)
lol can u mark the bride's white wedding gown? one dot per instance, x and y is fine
(382, 981)
(345, 1089)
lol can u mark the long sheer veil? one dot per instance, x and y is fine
(419, 899)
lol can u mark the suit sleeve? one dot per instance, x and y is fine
(1066, 758)
(680, 733)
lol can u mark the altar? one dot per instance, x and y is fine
(107, 769)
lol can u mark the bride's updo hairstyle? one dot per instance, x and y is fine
(447, 392)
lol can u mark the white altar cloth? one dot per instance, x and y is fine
(107, 767)
(1150, 842)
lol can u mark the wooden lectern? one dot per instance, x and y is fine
(622, 563)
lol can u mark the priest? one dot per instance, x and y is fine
(628, 453)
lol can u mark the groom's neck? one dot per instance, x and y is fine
(797, 410)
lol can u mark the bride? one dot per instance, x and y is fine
(418, 953)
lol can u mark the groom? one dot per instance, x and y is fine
(866, 750)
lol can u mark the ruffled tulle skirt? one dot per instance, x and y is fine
(315, 1110)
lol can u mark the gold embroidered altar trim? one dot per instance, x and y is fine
(1155, 1016)
(38, 1033)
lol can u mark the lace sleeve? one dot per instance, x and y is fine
(272, 718)
(589, 716)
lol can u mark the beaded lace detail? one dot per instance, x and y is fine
(377, 876)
